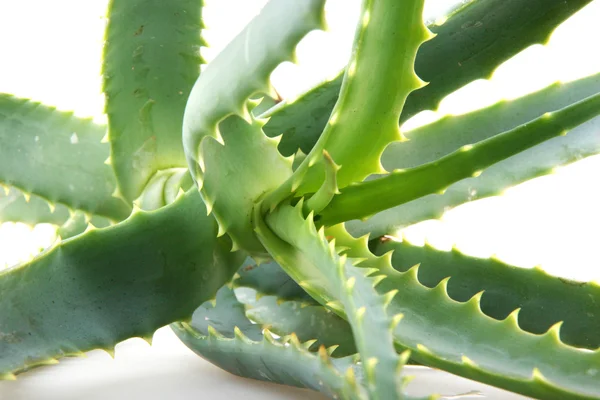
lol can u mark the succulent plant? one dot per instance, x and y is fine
(263, 238)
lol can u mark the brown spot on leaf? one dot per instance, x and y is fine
(139, 31)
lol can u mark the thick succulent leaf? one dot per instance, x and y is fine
(543, 300)
(401, 186)
(270, 279)
(375, 87)
(111, 284)
(461, 339)
(433, 141)
(57, 157)
(223, 335)
(308, 321)
(478, 39)
(151, 61)
(540, 160)
(222, 142)
(469, 45)
(30, 209)
(314, 263)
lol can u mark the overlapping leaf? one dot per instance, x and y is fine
(222, 141)
(108, 285)
(401, 186)
(469, 45)
(222, 334)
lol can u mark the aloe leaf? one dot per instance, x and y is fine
(222, 141)
(543, 300)
(375, 87)
(315, 264)
(435, 140)
(432, 141)
(222, 334)
(56, 156)
(480, 37)
(307, 320)
(401, 186)
(469, 45)
(271, 280)
(151, 61)
(107, 285)
(30, 210)
(462, 340)
(540, 160)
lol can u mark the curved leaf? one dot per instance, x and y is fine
(469, 45)
(308, 321)
(375, 87)
(401, 186)
(222, 141)
(337, 281)
(461, 339)
(224, 336)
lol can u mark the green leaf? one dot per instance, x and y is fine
(401, 186)
(58, 157)
(151, 61)
(31, 210)
(543, 300)
(270, 279)
(107, 285)
(222, 334)
(473, 41)
(348, 289)
(478, 39)
(376, 84)
(433, 140)
(222, 141)
(459, 338)
(307, 320)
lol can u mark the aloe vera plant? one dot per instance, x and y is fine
(259, 231)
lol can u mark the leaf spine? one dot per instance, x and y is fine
(212, 332)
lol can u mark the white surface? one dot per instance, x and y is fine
(51, 52)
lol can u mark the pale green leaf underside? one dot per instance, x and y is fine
(151, 61)
(58, 157)
(238, 346)
(308, 321)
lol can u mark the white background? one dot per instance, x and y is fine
(50, 51)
